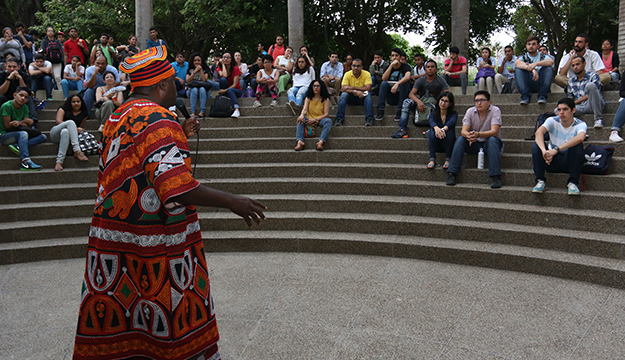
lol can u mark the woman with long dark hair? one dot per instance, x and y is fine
(70, 121)
(303, 75)
(315, 112)
(442, 129)
(486, 69)
(198, 71)
(610, 59)
(229, 83)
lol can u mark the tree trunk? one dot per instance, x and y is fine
(460, 25)
(296, 24)
(144, 20)
(621, 30)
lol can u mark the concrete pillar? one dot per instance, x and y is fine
(460, 25)
(621, 30)
(296, 25)
(144, 20)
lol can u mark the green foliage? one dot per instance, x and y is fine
(597, 18)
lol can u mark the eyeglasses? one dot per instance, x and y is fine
(226, 57)
(356, 65)
(480, 100)
(316, 86)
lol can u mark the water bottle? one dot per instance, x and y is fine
(480, 159)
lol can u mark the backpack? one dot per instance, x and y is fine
(540, 120)
(423, 118)
(54, 53)
(597, 159)
(509, 87)
(221, 107)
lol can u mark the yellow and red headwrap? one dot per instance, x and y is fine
(148, 67)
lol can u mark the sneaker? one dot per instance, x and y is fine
(524, 101)
(369, 122)
(495, 182)
(614, 136)
(257, 103)
(599, 124)
(542, 101)
(274, 103)
(16, 149)
(539, 188)
(338, 122)
(451, 179)
(380, 115)
(401, 133)
(29, 165)
(293, 106)
(397, 116)
(573, 189)
(101, 128)
(236, 113)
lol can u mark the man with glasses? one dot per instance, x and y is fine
(356, 88)
(480, 130)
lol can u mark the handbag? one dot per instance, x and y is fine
(597, 159)
(309, 131)
(88, 143)
(221, 107)
(32, 132)
(423, 118)
(199, 84)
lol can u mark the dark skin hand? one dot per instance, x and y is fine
(191, 126)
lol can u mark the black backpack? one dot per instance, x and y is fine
(540, 120)
(54, 53)
(221, 107)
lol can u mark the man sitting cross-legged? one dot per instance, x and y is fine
(565, 152)
(356, 86)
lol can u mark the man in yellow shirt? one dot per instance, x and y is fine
(355, 88)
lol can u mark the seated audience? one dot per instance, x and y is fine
(198, 72)
(102, 44)
(75, 46)
(347, 65)
(303, 51)
(284, 65)
(154, 41)
(14, 128)
(565, 153)
(94, 78)
(261, 49)
(108, 98)
(229, 82)
(267, 78)
(10, 79)
(543, 50)
(331, 74)
(315, 112)
(585, 90)
(619, 117)
(181, 68)
(253, 70)
(238, 61)
(26, 41)
(610, 59)
(480, 131)
(130, 49)
(506, 68)
(456, 70)
(41, 75)
(303, 75)
(70, 120)
(377, 69)
(356, 90)
(395, 84)
(8, 45)
(419, 68)
(593, 62)
(533, 73)
(442, 134)
(213, 74)
(278, 48)
(52, 49)
(486, 71)
(425, 90)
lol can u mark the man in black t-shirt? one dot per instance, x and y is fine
(253, 70)
(395, 84)
(10, 79)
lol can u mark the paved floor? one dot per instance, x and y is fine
(319, 306)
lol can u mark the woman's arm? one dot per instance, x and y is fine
(203, 75)
(326, 110)
(120, 99)
(60, 114)
(276, 64)
(98, 93)
(235, 82)
(289, 66)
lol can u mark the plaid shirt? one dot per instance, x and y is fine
(577, 88)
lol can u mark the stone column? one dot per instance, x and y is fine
(621, 30)
(460, 25)
(296, 25)
(143, 21)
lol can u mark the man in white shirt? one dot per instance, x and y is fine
(41, 72)
(593, 62)
(505, 70)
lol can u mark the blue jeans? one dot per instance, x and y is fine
(619, 117)
(526, 84)
(492, 148)
(43, 82)
(193, 94)
(350, 99)
(214, 86)
(68, 85)
(89, 97)
(568, 161)
(22, 140)
(297, 94)
(232, 93)
(407, 106)
(393, 99)
(325, 123)
(445, 144)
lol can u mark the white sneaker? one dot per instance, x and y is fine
(236, 113)
(614, 136)
(257, 103)
(539, 188)
(598, 124)
(573, 189)
(274, 103)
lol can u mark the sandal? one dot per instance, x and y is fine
(431, 164)
(300, 145)
(446, 164)
(200, 115)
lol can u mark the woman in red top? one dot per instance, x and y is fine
(610, 59)
(229, 83)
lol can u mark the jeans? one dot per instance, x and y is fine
(445, 144)
(43, 82)
(89, 97)
(594, 104)
(64, 134)
(325, 123)
(407, 106)
(232, 93)
(350, 99)
(462, 81)
(297, 94)
(22, 140)
(492, 149)
(393, 99)
(568, 161)
(193, 94)
(68, 85)
(526, 84)
(214, 86)
(619, 117)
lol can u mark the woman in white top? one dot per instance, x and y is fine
(488, 66)
(72, 76)
(284, 64)
(303, 75)
(242, 67)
